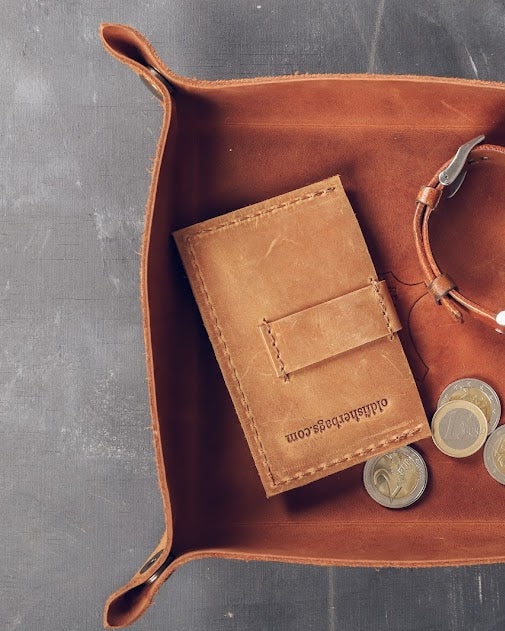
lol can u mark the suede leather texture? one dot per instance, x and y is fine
(228, 144)
(304, 334)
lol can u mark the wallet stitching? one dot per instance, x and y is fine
(265, 211)
(382, 305)
(276, 348)
(359, 452)
(230, 362)
(312, 470)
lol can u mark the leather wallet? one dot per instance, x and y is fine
(304, 333)
(228, 144)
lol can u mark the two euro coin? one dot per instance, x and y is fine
(468, 411)
(477, 392)
(396, 479)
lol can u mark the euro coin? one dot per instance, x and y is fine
(494, 454)
(459, 428)
(396, 479)
(477, 392)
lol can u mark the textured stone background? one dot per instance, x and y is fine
(80, 508)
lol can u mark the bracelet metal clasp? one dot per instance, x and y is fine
(453, 175)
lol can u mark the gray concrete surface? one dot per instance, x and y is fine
(80, 508)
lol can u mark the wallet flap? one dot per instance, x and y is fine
(330, 328)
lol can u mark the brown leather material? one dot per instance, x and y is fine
(441, 285)
(226, 144)
(429, 196)
(283, 285)
(329, 328)
(445, 291)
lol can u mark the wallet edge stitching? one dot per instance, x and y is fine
(359, 452)
(264, 211)
(230, 361)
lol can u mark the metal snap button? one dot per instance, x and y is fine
(160, 570)
(161, 78)
(151, 562)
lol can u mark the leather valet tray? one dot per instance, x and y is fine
(227, 144)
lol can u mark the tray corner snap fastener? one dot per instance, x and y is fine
(151, 562)
(160, 570)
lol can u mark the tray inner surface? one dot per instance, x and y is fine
(230, 146)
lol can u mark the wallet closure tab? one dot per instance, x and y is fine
(330, 328)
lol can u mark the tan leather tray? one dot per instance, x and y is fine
(227, 144)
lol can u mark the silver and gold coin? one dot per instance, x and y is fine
(396, 479)
(494, 455)
(477, 392)
(459, 428)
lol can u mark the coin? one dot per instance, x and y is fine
(494, 455)
(396, 479)
(477, 392)
(459, 428)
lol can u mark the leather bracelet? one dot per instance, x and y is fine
(447, 182)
